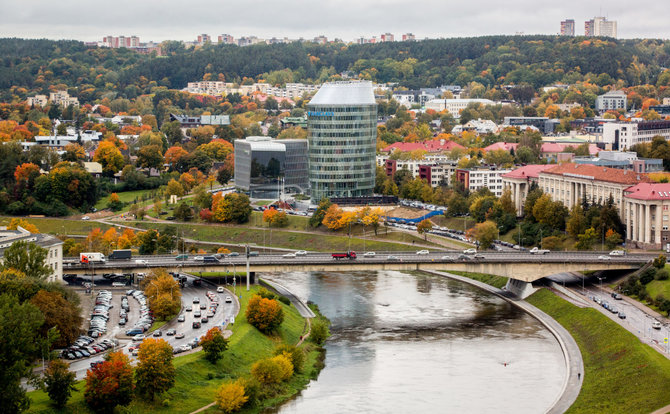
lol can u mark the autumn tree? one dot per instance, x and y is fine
(275, 218)
(333, 217)
(265, 314)
(424, 227)
(16, 222)
(372, 218)
(230, 397)
(110, 157)
(273, 370)
(73, 152)
(60, 313)
(174, 155)
(214, 344)
(25, 174)
(155, 372)
(585, 240)
(294, 353)
(114, 203)
(233, 207)
(148, 241)
(174, 188)
(612, 239)
(217, 149)
(163, 293)
(320, 213)
(226, 172)
(95, 241)
(109, 384)
(150, 156)
(28, 258)
(485, 233)
(59, 382)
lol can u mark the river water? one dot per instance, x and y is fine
(417, 343)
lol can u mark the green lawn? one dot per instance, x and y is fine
(197, 380)
(454, 223)
(142, 197)
(60, 226)
(316, 241)
(495, 281)
(622, 375)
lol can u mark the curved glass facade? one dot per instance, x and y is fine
(342, 147)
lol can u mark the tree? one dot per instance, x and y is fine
(660, 261)
(273, 370)
(148, 241)
(226, 172)
(372, 218)
(74, 153)
(612, 239)
(217, 149)
(16, 222)
(174, 188)
(295, 354)
(333, 218)
(109, 156)
(174, 155)
(214, 344)
(163, 293)
(585, 240)
(60, 313)
(114, 203)
(18, 348)
(109, 384)
(576, 223)
(230, 397)
(59, 382)
(150, 156)
(265, 314)
(424, 227)
(320, 213)
(155, 372)
(183, 212)
(485, 233)
(27, 257)
(233, 207)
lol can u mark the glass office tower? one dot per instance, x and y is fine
(342, 123)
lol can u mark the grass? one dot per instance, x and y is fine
(60, 226)
(622, 375)
(263, 202)
(197, 380)
(454, 223)
(143, 197)
(316, 241)
(495, 281)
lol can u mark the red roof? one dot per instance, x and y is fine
(507, 146)
(529, 171)
(555, 147)
(435, 145)
(593, 172)
(649, 191)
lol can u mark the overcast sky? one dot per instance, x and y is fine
(159, 20)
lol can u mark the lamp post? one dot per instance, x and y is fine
(601, 282)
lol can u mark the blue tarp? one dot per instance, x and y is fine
(415, 220)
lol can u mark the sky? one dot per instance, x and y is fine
(160, 20)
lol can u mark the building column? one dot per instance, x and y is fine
(628, 220)
(638, 222)
(659, 224)
(647, 223)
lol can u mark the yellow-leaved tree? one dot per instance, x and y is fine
(230, 397)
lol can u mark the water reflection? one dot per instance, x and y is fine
(420, 343)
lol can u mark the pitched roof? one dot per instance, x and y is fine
(404, 146)
(649, 191)
(529, 171)
(430, 146)
(501, 146)
(554, 147)
(593, 172)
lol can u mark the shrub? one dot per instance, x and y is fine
(230, 397)
(659, 262)
(264, 293)
(296, 355)
(648, 275)
(285, 300)
(662, 274)
(214, 344)
(265, 314)
(285, 366)
(319, 332)
(267, 371)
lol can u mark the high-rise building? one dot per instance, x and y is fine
(387, 37)
(204, 38)
(568, 27)
(227, 39)
(408, 37)
(600, 26)
(342, 124)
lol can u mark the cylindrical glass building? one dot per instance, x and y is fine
(342, 123)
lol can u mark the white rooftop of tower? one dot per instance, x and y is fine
(344, 93)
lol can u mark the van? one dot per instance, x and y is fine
(134, 331)
(210, 259)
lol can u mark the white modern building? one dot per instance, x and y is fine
(455, 106)
(477, 178)
(623, 135)
(612, 100)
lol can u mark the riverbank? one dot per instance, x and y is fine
(197, 380)
(621, 374)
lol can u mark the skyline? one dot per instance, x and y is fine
(169, 20)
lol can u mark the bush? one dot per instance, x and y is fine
(264, 293)
(267, 371)
(252, 389)
(295, 354)
(285, 366)
(662, 274)
(230, 397)
(285, 300)
(265, 314)
(648, 275)
(659, 262)
(319, 332)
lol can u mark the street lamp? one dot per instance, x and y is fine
(601, 282)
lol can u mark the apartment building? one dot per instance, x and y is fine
(568, 27)
(623, 135)
(600, 26)
(477, 178)
(37, 100)
(52, 244)
(612, 100)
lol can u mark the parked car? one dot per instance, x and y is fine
(138, 338)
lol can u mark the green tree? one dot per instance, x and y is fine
(27, 257)
(424, 227)
(294, 353)
(319, 332)
(214, 344)
(320, 213)
(576, 223)
(155, 372)
(20, 345)
(150, 156)
(183, 212)
(660, 261)
(59, 382)
(148, 241)
(233, 207)
(612, 239)
(485, 233)
(585, 240)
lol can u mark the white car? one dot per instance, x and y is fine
(617, 253)
(470, 251)
(141, 261)
(289, 256)
(219, 289)
(656, 325)
(422, 252)
(603, 257)
(138, 338)
(86, 218)
(369, 254)
(229, 299)
(199, 258)
(446, 258)
(301, 253)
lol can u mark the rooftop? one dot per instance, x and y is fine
(344, 93)
(595, 173)
(529, 171)
(507, 146)
(649, 191)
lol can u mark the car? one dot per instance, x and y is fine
(210, 314)
(181, 257)
(229, 299)
(139, 338)
(203, 306)
(301, 253)
(603, 257)
(233, 254)
(180, 335)
(622, 315)
(446, 258)
(141, 261)
(478, 256)
(199, 258)
(656, 325)
(616, 296)
(369, 254)
(181, 318)
(392, 258)
(196, 325)
(122, 321)
(171, 218)
(86, 218)
(118, 284)
(469, 251)
(204, 319)
(196, 299)
(423, 252)
(170, 332)
(253, 254)
(618, 253)
(134, 331)
(196, 314)
(220, 289)
(464, 257)
(289, 256)
(188, 309)
(158, 332)
(184, 348)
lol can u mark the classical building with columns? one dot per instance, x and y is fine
(646, 215)
(519, 182)
(570, 183)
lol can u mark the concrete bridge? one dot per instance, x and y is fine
(521, 266)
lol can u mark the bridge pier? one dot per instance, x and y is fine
(519, 288)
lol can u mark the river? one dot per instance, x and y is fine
(417, 343)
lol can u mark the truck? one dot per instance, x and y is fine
(125, 254)
(536, 250)
(347, 255)
(86, 258)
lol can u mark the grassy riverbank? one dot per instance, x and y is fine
(197, 380)
(495, 281)
(622, 374)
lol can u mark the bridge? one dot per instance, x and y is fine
(521, 266)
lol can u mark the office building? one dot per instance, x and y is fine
(266, 166)
(623, 135)
(612, 100)
(519, 182)
(342, 124)
(600, 26)
(568, 27)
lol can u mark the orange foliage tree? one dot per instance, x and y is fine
(109, 384)
(155, 372)
(265, 314)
